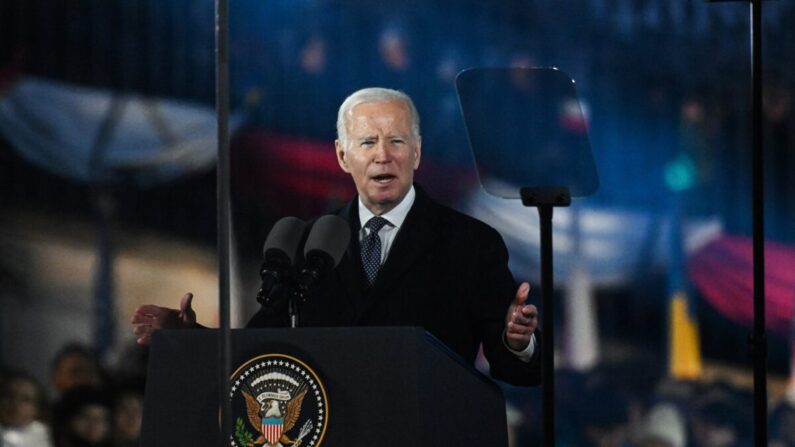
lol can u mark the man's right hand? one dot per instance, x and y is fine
(148, 318)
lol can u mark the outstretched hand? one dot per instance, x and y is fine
(521, 320)
(149, 318)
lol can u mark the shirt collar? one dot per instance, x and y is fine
(395, 216)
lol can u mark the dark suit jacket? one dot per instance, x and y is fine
(446, 272)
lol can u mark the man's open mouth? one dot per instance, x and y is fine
(384, 178)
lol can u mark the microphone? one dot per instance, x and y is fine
(324, 248)
(280, 250)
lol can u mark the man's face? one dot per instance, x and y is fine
(382, 153)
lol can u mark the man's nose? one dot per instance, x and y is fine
(382, 153)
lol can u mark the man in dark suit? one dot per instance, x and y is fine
(411, 261)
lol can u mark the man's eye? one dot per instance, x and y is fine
(368, 143)
(397, 141)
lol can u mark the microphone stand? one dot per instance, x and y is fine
(296, 296)
(545, 199)
(292, 306)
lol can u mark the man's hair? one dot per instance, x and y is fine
(371, 95)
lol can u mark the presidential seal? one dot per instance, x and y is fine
(277, 401)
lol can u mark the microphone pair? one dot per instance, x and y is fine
(324, 247)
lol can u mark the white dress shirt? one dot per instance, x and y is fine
(394, 217)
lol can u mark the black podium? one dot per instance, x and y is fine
(383, 387)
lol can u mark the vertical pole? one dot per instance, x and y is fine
(104, 312)
(104, 299)
(758, 341)
(548, 321)
(222, 197)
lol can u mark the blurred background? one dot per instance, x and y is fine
(107, 173)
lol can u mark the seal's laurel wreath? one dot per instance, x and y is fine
(277, 401)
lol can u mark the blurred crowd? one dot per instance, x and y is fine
(623, 407)
(85, 405)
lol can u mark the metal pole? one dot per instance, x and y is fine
(548, 321)
(759, 340)
(222, 197)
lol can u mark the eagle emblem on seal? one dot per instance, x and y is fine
(275, 416)
(284, 402)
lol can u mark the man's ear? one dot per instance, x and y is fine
(341, 156)
(418, 154)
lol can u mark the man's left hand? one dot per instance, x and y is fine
(521, 320)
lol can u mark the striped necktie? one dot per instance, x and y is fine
(371, 247)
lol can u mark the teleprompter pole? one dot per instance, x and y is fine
(545, 199)
(548, 319)
(758, 339)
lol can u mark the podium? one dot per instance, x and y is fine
(381, 387)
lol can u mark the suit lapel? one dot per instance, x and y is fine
(416, 236)
(350, 267)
